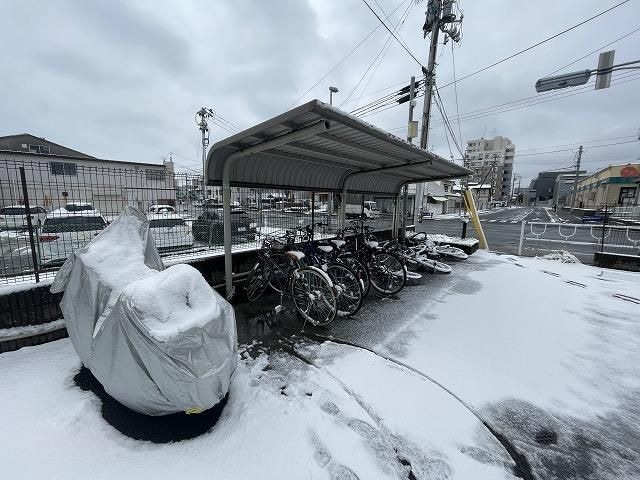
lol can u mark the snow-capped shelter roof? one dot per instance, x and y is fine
(321, 148)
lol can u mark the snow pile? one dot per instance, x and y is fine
(29, 330)
(173, 301)
(440, 238)
(561, 256)
(116, 255)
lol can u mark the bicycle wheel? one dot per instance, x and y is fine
(279, 278)
(361, 270)
(347, 287)
(387, 272)
(313, 296)
(256, 283)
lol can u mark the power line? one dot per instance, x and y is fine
(388, 47)
(578, 143)
(533, 46)
(366, 37)
(526, 102)
(536, 44)
(594, 51)
(443, 113)
(455, 87)
(393, 34)
(571, 149)
(580, 91)
(399, 24)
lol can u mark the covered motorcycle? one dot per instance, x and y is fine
(159, 340)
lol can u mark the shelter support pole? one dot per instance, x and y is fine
(394, 223)
(313, 214)
(311, 130)
(403, 221)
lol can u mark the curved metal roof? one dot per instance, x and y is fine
(319, 147)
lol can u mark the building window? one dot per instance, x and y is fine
(152, 175)
(60, 168)
(41, 149)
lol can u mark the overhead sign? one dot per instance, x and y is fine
(605, 62)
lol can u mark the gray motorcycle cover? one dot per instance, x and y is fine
(159, 340)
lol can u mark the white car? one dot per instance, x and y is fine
(169, 231)
(14, 217)
(161, 209)
(63, 232)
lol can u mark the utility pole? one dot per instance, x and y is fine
(513, 189)
(574, 195)
(439, 14)
(202, 116)
(412, 131)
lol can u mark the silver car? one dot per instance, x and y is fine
(169, 231)
(63, 232)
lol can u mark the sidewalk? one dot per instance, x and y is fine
(540, 351)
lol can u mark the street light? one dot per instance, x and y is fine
(563, 81)
(574, 79)
(332, 90)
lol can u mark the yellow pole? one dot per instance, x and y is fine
(475, 220)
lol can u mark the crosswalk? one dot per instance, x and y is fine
(502, 221)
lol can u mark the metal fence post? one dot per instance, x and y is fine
(32, 243)
(521, 237)
(604, 225)
(313, 214)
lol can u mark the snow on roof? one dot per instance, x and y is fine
(156, 216)
(62, 212)
(479, 186)
(173, 301)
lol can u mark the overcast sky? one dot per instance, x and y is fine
(122, 79)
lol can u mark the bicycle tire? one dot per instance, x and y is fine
(387, 273)
(354, 263)
(314, 296)
(257, 282)
(348, 288)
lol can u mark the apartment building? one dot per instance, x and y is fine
(491, 161)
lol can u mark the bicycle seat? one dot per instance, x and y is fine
(325, 248)
(294, 255)
(338, 243)
(372, 244)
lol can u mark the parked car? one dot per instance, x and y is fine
(169, 231)
(63, 232)
(209, 227)
(78, 207)
(160, 208)
(14, 217)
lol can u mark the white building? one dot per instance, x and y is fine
(56, 175)
(491, 161)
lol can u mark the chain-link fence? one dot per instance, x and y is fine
(48, 209)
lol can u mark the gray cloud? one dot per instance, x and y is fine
(123, 79)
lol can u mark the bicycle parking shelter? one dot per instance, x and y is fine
(317, 147)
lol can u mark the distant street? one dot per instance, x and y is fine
(502, 230)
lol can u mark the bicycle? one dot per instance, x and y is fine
(311, 289)
(387, 272)
(349, 288)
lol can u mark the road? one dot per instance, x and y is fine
(502, 229)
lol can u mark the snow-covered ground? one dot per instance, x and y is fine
(523, 343)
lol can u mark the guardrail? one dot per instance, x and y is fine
(580, 239)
